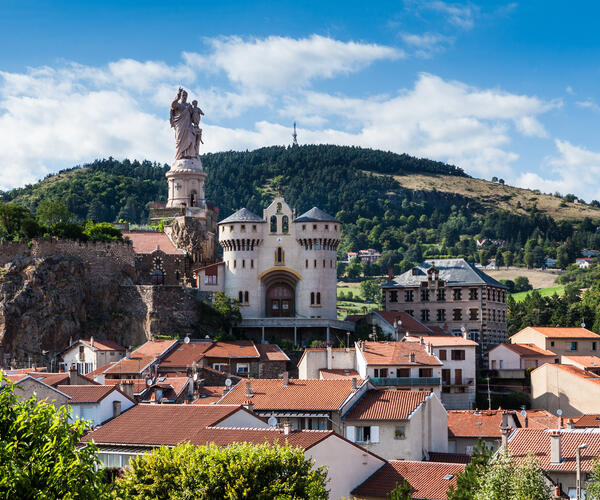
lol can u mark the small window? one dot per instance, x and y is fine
(312, 298)
(306, 263)
(222, 367)
(380, 372)
(234, 264)
(326, 227)
(315, 263)
(231, 229)
(244, 263)
(314, 227)
(457, 314)
(394, 296)
(241, 297)
(254, 228)
(408, 296)
(279, 206)
(573, 346)
(279, 254)
(252, 263)
(473, 295)
(324, 264)
(552, 343)
(243, 228)
(441, 315)
(425, 315)
(458, 354)
(424, 295)
(441, 295)
(442, 355)
(303, 227)
(593, 346)
(246, 297)
(285, 224)
(273, 224)
(457, 294)
(400, 432)
(242, 367)
(318, 298)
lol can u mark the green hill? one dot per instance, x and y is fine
(409, 208)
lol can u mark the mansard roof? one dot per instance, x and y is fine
(452, 271)
(315, 215)
(242, 215)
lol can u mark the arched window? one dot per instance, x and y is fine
(241, 296)
(285, 223)
(312, 298)
(273, 224)
(246, 297)
(318, 298)
(158, 277)
(193, 199)
(279, 256)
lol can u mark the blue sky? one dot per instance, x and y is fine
(498, 88)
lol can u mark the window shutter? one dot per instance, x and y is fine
(351, 433)
(374, 434)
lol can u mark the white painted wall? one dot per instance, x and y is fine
(315, 360)
(510, 359)
(100, 412)
(242, 418)
(348, 466)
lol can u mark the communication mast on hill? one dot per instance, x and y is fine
(295, 136)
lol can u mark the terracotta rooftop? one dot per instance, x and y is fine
(52, 379)
(562, 332)
(148, 241)
(590, 420)
(577, 372)
(139, 384)
(585, 361)
(387, 405)
(449, 458)
(338, 374)
(428, 479)
(104, 345)
(398, 353)
(143, 356)
(271, 352)
(538, 419)
(474, 423)
(443, 341)
(408, 322)
(209, 394)
(522, 441)
(271, 394)
(169, 425)
(86, 393)
(528, 350)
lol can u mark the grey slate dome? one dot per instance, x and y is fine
(242, 215)
(315, 215)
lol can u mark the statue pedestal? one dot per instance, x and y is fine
(186, 184)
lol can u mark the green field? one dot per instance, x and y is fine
(544, 292)
(358, 306)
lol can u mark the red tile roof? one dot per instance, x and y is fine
(398, 353)
(386, 405)
(577, 372)
(562, 332)
(104, 345)
(537, 441)
(409, 323)
(585, 361)
(271, 352)
(474, 423)
(52, 379)
(443, 340)
(141, 357)
(338, 373)
(139, 384)
(86, 393)
(184, 355)
(148, 241)
(528, 350)
(538, 419)
(271, 394)
(590, 420)
(100, 370)
(449, 458)
(428, 479)
(209, 394)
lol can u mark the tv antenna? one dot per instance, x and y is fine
(295, 136)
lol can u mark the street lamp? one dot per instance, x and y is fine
(578, 456)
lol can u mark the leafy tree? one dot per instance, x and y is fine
(16, 222)
(593, 485)
(467, 482)
(508, 258)
(67, 231)
(522, 284)
(39, 453)
(401, 491)
(102, 231)
(242, 470)
(52, 211)
(354, 269)
(341, 269)
(494, 179)
(370, 290)
(228, 310)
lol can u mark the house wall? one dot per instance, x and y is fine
(458, 397)
(510, 360)
(553, 389)
(315, 360)
(559, 346)
(30, 387)
(348, 466)
(100, 412)
(243, 419)
(94, 357)
(465, 445)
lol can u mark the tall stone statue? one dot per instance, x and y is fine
(185, 119)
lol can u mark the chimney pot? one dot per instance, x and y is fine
(555, 451)
(116, 408)
(286, 428)
(570, 424)
(286, 379)
(354, 383)
(248, 389)
(92, 341)
(329, 358)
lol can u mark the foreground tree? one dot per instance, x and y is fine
(39, 457)
(243, 470)
(468, 482)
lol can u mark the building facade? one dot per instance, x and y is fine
(453, 295)
(561, 341)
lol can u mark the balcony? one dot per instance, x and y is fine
(464, 382)
(405, 381)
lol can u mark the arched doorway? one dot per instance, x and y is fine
(158, 277)
(280, 300)
(193, 199)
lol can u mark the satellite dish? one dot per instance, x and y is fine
(195, 377)
(582, 324)
(186, 340)
(559, 412)
(272, 421)
(148, 382)
(228, 382)
(523, 413)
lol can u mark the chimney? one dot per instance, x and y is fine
(286, 379)
(362, 346)
(465, 334)
(504, 429)
(570, 423)
(248, 405)
(329, 358)
(390, 273)
(286, 428)
(116, 408)
(555, 452)
(248, 390)
(526, 421)
(430, 348)
(92, 341)
(72, 376)
(421, 341)
(412, 357)
(354, 381)
(126, 387)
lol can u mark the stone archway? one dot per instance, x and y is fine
(280, 292)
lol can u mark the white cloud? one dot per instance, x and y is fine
(575, 170)
(426, 44)
(459, 15)
(281, 63)
(589, 104)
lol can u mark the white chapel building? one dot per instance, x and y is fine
(281, 269)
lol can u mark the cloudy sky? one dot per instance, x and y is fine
(498, 88)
